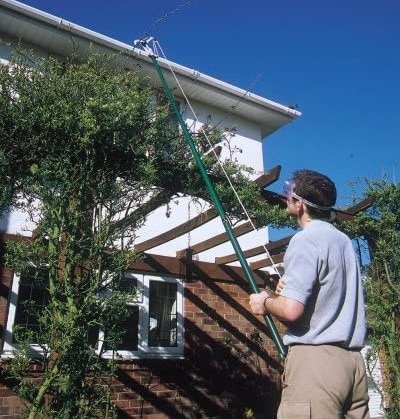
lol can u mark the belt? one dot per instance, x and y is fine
(338, 345)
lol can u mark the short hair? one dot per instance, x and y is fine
(317, 189)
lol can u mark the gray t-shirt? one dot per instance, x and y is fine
(322, 272)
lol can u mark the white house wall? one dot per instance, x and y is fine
(247, 136)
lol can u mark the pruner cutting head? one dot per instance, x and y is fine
(144, 43)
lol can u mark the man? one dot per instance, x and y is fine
(320, 299)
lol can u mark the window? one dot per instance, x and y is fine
(27, 290)
(154, 328)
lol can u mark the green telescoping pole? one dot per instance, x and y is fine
(215, 198)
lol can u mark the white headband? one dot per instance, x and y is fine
(310, 203)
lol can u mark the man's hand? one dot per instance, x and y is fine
(280, 286)
(257, 302)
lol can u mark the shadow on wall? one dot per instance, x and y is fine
(215, 380)
(228, 371)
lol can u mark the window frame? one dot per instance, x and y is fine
(141, 300)
(9, 347)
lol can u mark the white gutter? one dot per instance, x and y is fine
(229, 88)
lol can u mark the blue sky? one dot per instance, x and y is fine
(338, 61)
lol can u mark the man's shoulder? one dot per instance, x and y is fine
(321, 226)
(318, 231)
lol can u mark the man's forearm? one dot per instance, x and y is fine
(284, 309)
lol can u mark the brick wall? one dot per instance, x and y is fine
(226, 369)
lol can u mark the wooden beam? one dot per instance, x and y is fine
(168, 265)
(218, 239)
(216, 151)
(265, 262)
(271, 247)
(175, 232)
(274, 198)
(5, 237)
(268, 178)
(361, 206)
(349, 213)
(160, 198)
(278, 244)
(233, 257)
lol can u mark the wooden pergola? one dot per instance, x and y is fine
(184, 264)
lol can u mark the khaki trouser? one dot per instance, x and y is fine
(324, 382)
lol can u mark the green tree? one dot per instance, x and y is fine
(379, 226)
(88, 150)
